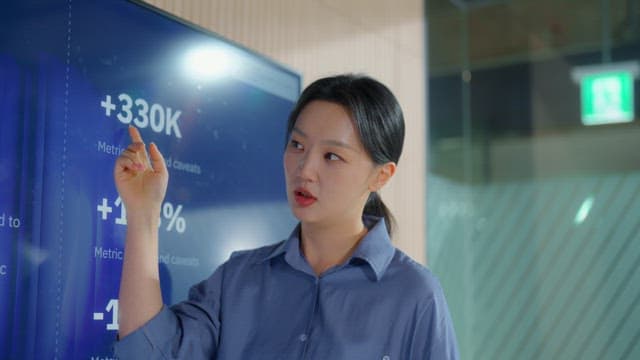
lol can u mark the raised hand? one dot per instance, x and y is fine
(142, 184)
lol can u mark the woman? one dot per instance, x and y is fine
(335, 289)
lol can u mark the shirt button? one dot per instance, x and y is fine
(302, 337)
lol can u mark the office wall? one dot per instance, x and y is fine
(382, 38)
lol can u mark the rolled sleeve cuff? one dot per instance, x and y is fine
(150, 341)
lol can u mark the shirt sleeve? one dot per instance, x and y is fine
(187, 330)
(435, 337)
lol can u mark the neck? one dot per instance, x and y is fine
(327, 246)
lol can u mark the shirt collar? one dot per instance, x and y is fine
(375, 248)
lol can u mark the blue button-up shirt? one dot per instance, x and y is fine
(268, 303)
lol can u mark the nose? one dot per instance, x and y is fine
(307, 167)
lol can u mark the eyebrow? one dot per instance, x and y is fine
(328, 142)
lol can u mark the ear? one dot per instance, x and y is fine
(383, 174)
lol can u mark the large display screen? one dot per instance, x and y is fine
(73, 76)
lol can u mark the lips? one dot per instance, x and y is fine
(303, 197)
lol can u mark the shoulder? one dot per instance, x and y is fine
(434, 332)
(421, 289)
(413, 279)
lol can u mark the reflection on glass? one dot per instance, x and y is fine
(206, 62)
(533, 218)
(584, 210)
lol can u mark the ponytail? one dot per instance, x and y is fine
(376, 207)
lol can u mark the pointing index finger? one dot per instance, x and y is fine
(135, 134)
(157, 161)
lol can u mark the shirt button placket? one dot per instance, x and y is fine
(304, 337)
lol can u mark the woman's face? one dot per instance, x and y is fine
(328, 173)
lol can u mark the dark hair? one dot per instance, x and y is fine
(375, 113)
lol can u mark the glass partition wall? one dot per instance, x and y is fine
(533, 182)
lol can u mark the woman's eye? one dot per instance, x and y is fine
(332, 156)
(296, 145)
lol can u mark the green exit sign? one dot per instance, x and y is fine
(606, 92)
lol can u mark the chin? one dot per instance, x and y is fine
(304, 215)
(300, 214)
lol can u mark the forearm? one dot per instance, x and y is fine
(140, 298)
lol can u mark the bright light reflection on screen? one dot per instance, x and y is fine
(207, 62)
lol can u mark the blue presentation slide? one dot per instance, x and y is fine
(73, 76)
